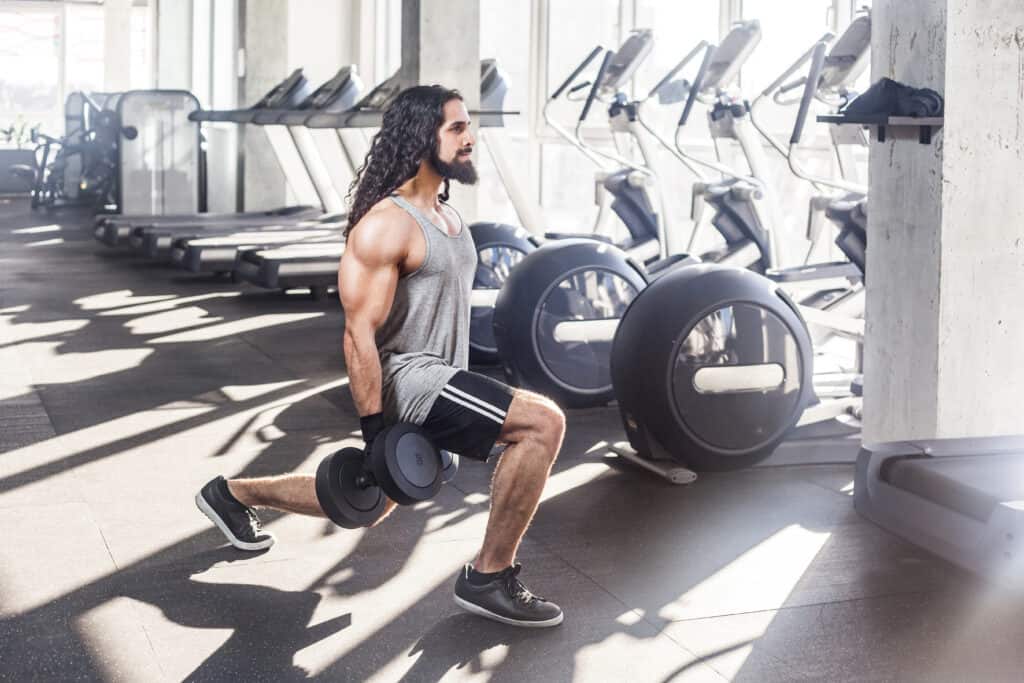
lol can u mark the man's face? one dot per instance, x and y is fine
(455, 142)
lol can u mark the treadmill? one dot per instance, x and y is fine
(217, 254)
(206, 253)
(115, 229)
(315, 266)
(961, 499)
(290, 141)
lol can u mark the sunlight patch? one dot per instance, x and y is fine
(14, 309)
(102, 630)
(171, 321)
(245, 392)
(166, 304)
(394, 602)
(630, 617)
(121, 297)
(233, 328)
(577, 475)
(80, 367)
(440, 520)
(762, 578)
(36, 230)
(12, 391)
(118, 432)
(46, 243)
(21, 332)
(270, 433)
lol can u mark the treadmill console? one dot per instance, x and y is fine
(286, 93)
(380, 97)
(337, 94)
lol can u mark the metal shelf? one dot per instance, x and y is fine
(925, 124)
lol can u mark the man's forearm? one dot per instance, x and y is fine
(364, 375)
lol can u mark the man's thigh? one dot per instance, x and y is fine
(469, 414)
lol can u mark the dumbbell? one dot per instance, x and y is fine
(403, 465)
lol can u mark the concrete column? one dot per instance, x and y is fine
(117, 45)
(946, 227)
(441, 44)
(266, 63)
(174, 45)
(362, 28)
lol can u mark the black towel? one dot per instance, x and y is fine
(895, 99)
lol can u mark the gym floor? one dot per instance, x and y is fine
(124, 386)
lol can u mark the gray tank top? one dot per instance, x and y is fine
(425, 339)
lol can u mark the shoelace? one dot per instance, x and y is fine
(254, 522)
(515, 587)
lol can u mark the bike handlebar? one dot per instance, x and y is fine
(576, 72)
(698, 83)
(592, 95)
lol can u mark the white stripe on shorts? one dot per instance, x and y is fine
(477, 400)
(476, 409)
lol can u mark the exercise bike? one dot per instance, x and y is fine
(93, 149)
(556, 315)
(623, 187)
(713, 366)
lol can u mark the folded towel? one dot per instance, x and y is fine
(895, 99)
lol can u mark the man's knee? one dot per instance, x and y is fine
(550, 424)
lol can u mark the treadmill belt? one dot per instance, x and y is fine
(972, 485)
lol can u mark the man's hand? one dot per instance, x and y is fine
(371, 426)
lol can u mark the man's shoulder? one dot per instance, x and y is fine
(383, 233)
(385, 211)
(385, 215)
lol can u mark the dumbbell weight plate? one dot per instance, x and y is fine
(406, 464)
(449, 466)
(345, 503)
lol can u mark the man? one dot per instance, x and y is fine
(405, 282)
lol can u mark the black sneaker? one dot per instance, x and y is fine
(238, 522)
(506, 599)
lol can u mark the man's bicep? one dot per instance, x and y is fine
(370, 267)
(366, 290)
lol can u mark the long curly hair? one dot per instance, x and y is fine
(407, 136)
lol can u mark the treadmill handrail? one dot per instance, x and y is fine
(372, 118)
(949, 447)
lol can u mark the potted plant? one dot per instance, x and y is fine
(16, 150)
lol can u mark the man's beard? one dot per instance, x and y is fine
(461, 171)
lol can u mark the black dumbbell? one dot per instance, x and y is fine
(338, 489)
(449, 466)
(404, 465)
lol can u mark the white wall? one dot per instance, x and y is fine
(117, 45)
(174, 45)
(319, 37)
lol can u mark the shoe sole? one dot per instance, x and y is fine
(487, 614)
(205, 508)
